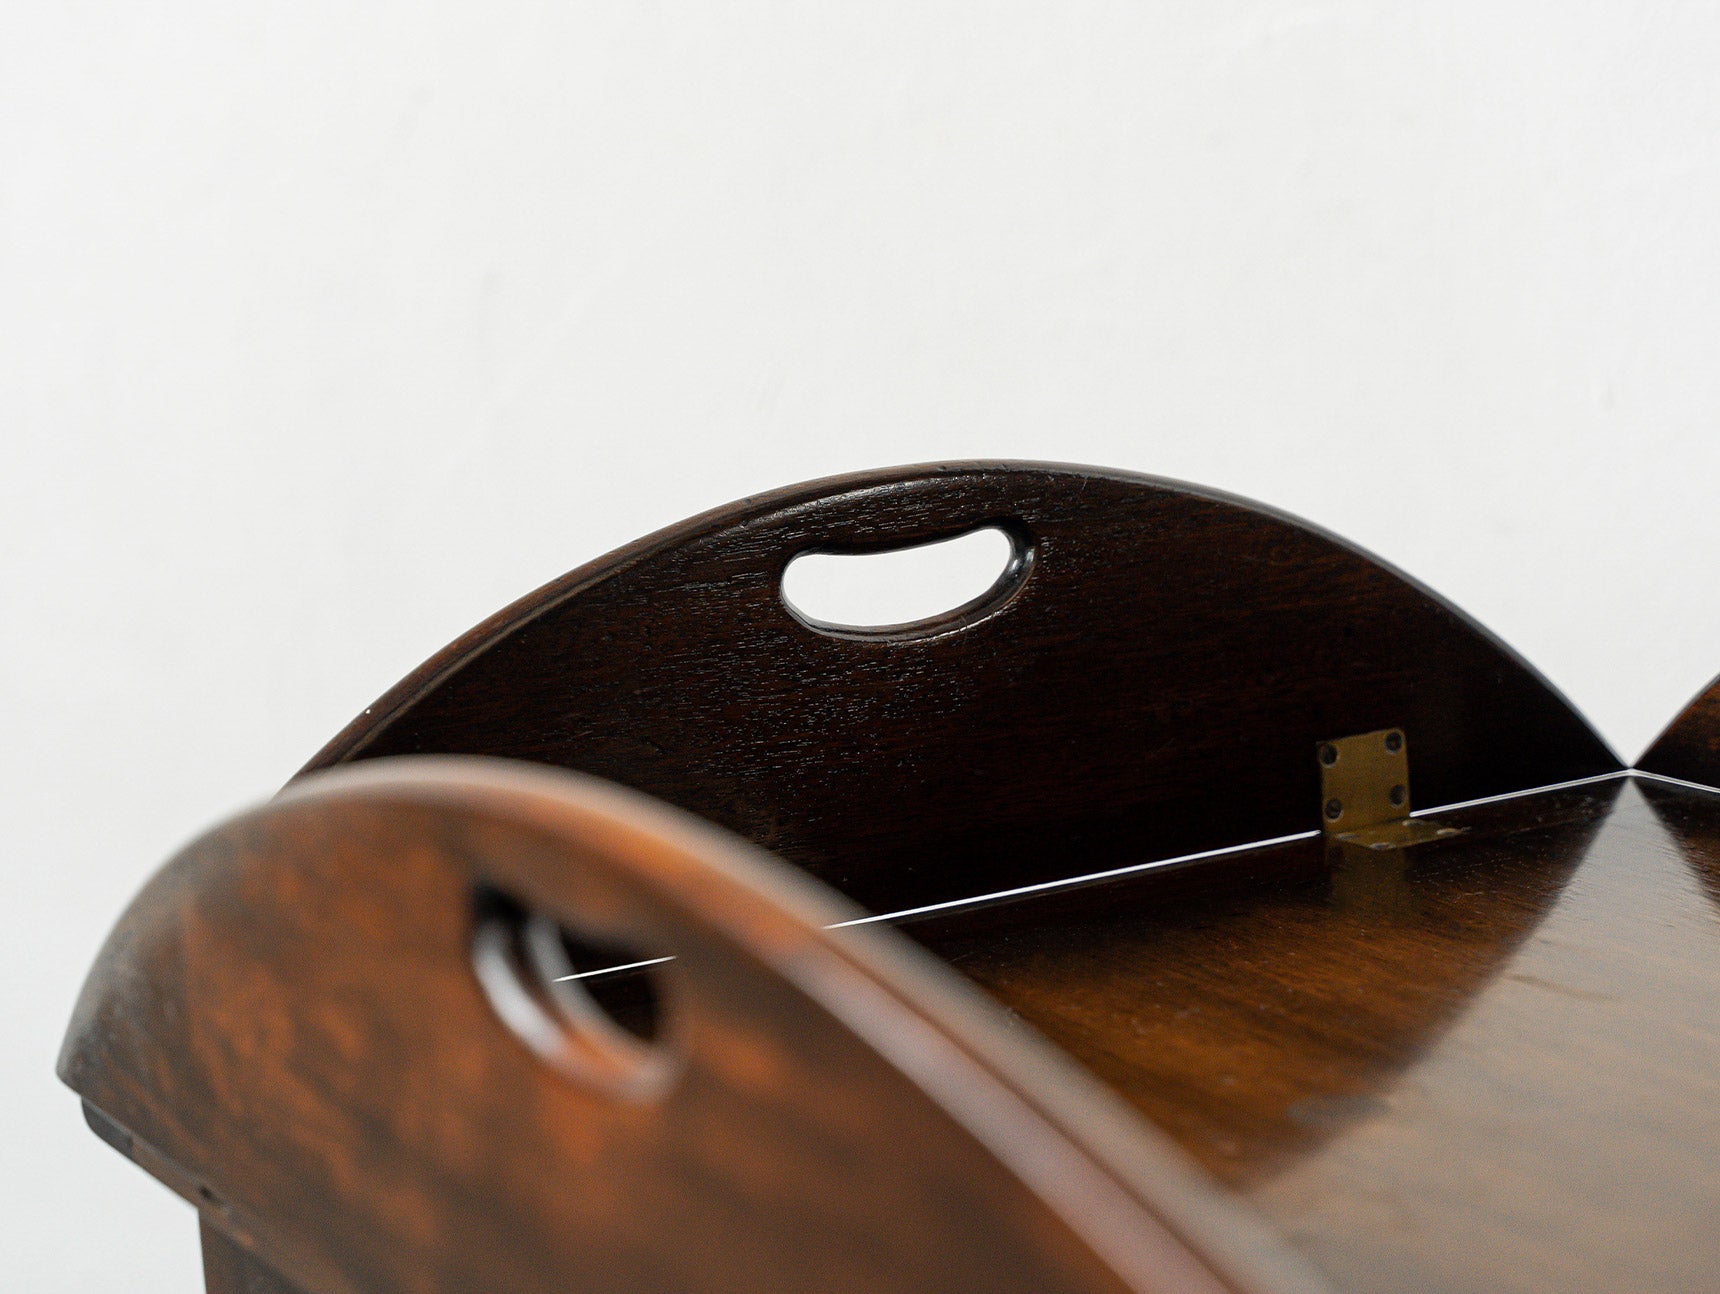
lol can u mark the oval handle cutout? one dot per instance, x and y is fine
(921, 589)
(593, 1010)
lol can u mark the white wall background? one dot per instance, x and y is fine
(326, 330)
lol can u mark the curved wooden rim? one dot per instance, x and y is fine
(351, 741)
(1152, 683)
(265, 910)
(1688, 748)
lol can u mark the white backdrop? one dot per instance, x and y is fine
(324, 333)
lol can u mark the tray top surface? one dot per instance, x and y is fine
(1485, 1063)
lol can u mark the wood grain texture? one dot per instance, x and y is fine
(1489, 1063)
(1152, 686)
(1689, 748)
(287, 1027)
(1368, 1054)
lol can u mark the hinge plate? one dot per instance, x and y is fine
(1364, 792)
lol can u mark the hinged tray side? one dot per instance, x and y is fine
(295, 1027)
(1150, 682)
(1688, 749)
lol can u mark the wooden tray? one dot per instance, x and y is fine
(1081, 939)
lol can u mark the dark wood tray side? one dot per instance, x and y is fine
(287, 1026)
(1689, 747)
(1150, 680)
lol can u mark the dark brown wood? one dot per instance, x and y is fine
(1689, 748)
(1150, 684)
(287, 1027)
(1483, 1063)
(1489, 1063)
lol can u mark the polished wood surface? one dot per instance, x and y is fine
(338, 1026)
(291, 1027)
(1489, 1063)
(1153, 673)
(1484, 1063)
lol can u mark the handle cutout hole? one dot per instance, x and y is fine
(619, 980)
(904, 590)
(594, 1009)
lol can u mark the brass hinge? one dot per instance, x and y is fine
(1364, 792)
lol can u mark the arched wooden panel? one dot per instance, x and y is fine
(1151, 683)
(1689, 748)
(290, 1027)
